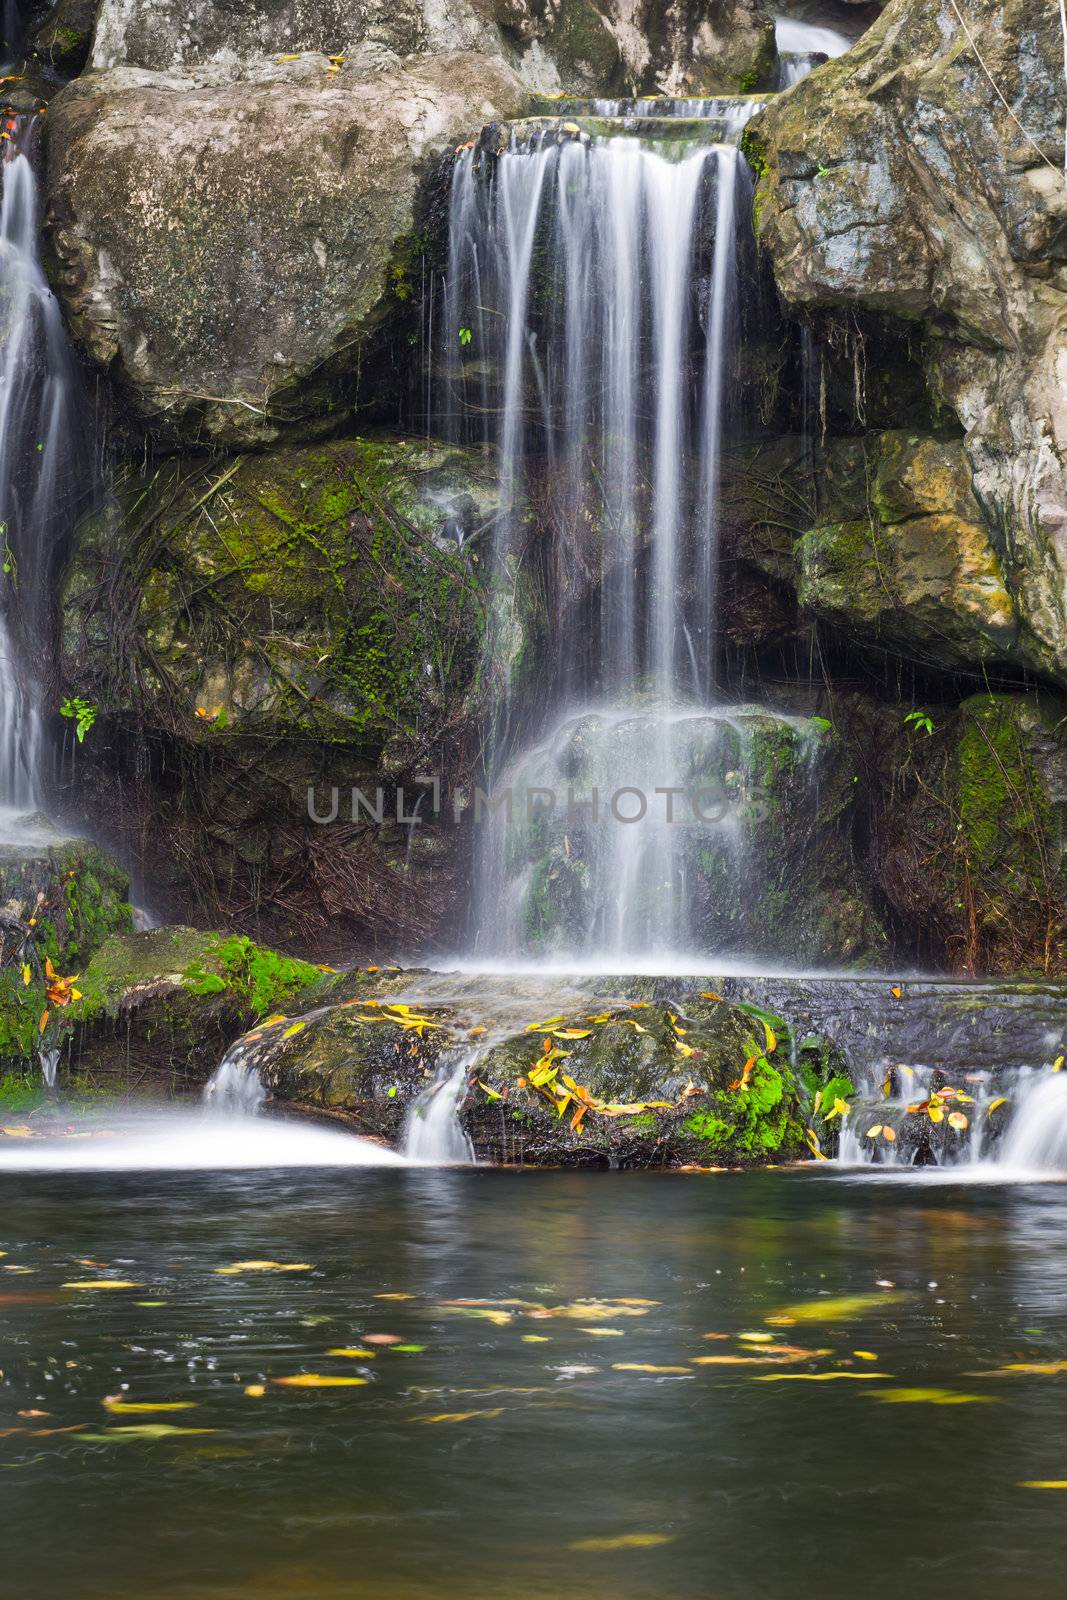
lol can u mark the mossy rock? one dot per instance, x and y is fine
(697, 1080)
(58, 903)
(157, 1010)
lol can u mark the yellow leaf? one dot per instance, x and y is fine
(127, 1407)
(872, 1133)
(1001, 1100)
(319, 1380)
(571, 1033)
(889, 1134)
(757, 1338)
(540, 1027)
(684, 1049)
(865, 1355)
(535, 1338)
(256, 1390)
(352, 1354)
(839, 1109)
(604, 1333)
(625, 1541)
(896, 992)
(43, 1022)
(813, 1144)
(772, 1038)
(103, 1283)
(1057, 1065)
(396, 1295)
(709, 994)
(18, 1130)
(263, 1266)
(816, 1377)
(1043, 1483)
(461, 1416)
(643, 1366)
(958, 1121)
(840, 1308)
(930, 1397)
(26, 974)
(279, 1016)
(297, 1027)
(935, 1113)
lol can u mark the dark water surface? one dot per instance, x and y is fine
(484, 1464)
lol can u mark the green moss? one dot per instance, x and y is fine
(1000, 796)
(261, 980)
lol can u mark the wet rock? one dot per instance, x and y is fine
(258, 628)
(63, 40)
(60, 899)
(894, 181)
(158, 1010)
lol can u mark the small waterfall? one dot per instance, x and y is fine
(43, 473)
(235, 1086)
(432, 1130)
(1037, 1138)
(796, 38)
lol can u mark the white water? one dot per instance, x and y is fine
(38, 476)
(178, 1140)
(235, 1086)
(1037, 1138)
(432, 1131)
(804, 38)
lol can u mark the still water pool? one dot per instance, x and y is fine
(539, 1416)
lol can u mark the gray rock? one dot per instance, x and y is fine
(895, 181)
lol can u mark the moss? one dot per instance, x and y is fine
(1001, 801)
(259, 979)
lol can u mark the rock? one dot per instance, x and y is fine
(257, 628)
(665, 1082)
(894, 181)
(229, 253)
(64, 39)
(911, 563)
(60, 899)
(158, 1010)
(972, 849)
(686, 47)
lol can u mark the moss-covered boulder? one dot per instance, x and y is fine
(972, 849)
(64, 38)
(262, 636)
(633, 1082)
(156, 1011)
(58, 903)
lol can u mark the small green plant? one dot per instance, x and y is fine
(82, 713)
(919, 719)
(464, 336)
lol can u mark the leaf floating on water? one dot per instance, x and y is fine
(757, 1338)
(604, 1333)
(838, 1308)
(928, 1397)
(407, 1349)
(865, 1355)
(319, 1380)
(536, 1338)
(1043, 1483)
(256, 1390)
(381, 1338)
(643, 1366)
(499, 1319)
(354, 1354)
(624, 1541)
(461, 1416)
(145, 1430)
(103, 1283)
(1040, 1369)
(398, 1295)
(815, 1377)
(114, 1402)
(264, 1266)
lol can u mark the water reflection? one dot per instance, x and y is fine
(552, 1363)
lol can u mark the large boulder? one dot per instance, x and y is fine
(258, 628)
(896, 181)
(581, 46)
(229, 252)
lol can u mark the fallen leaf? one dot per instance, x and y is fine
(114, 1402)
(838, 1308)
(319, 1380)
(256, 1390)
(928, 1397)
(642, 1366)
(354, 1354)
(815, 1377)
(263, 1266)
(624, 1541)
(461, 1416)
(103, 1283)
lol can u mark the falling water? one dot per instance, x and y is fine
(432, 1130)
(1037, 1138)
(42, 476)
(590, 327)
(235, 1086)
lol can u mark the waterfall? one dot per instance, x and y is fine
(590, 329)
(1037, 1138)
(432, 1130)
(42, 476)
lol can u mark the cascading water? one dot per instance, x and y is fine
(43, 480)
(432, 1131)
(590, 327)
